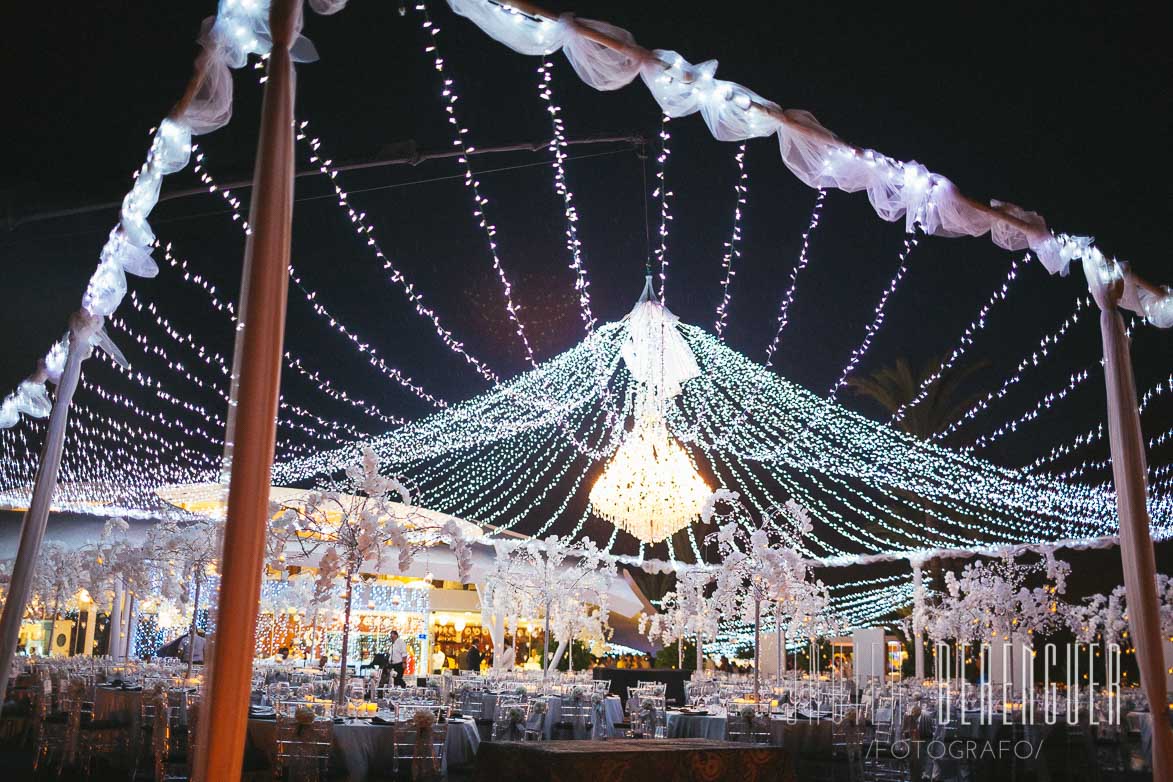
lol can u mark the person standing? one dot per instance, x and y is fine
(398, 656)
(473, 658)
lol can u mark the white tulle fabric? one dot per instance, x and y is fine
(896, 189)
(599, 66)
(327, 7)
(521, 33)
(655, 351)
(238, 30)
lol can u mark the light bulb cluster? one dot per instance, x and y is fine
(741, 193)
(910, 242)
(558, 149)
(967, 337)
(662, 192)
(480, 202)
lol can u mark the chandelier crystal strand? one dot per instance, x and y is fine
(741, 192)
(649, 489)
(978, 324)
(910, 242)
(480, 202)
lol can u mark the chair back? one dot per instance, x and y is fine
(305, 735)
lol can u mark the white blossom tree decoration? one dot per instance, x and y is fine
(1104, 618)
(685, 611)
(992, 601)
(184, 553)
(758, 574)
(354, 525)
(543, 578)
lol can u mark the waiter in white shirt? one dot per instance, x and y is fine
(398, 655)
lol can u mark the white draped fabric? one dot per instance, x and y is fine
(732, 112)
(655, 351)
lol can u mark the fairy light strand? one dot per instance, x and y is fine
(662, 192)
(910, 243)
(480, 202)
(741, 194)
(558, 145)
(967, 338)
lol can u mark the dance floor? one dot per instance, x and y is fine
(631, 760)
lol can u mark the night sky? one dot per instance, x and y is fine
(1060, 107)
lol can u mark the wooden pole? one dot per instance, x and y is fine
(1136, 544)
(36, 518)
(267, 256)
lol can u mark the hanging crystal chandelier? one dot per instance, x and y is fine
(649, 488)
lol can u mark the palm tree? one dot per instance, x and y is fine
(895, 386)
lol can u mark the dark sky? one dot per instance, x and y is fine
(1061, 107)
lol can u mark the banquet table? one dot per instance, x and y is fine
(630, 760)
(800, 735)
(696, 726)
(361, 745)
(612, 705)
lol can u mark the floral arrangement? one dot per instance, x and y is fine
(423, 720)
(521, 691)
(515, 715)
(748, 713)
(576, 695)
(540, 707)
(457, 691)
(304, 715)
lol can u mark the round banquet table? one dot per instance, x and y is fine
(695, 726)
(362, 746)
(612, 706)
